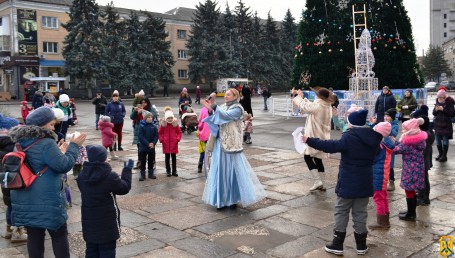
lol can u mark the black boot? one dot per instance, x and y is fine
(361, 242)
(120, 147)
(138, 165)
(199, 167)
(142, 176)
(336, 247)
(445, 148)
(174, 173)
(410, 215)
(168, 173)
(440, 152)
(151, 174)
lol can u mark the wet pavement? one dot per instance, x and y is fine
(167, 218)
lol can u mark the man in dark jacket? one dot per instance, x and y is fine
(384, 102)
(100, 103)
(37, 99)
(358, 147)
(100, 212)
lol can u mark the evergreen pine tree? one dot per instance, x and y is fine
(272, 53)
(287, 44)
(228, 36)
(257, 67)
(433, 64)
(82, 43)
(244, 41)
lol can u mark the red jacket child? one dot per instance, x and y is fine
(107, 135)
(25, 110)
(169, 134)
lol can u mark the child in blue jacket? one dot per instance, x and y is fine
(358, 147)
(99, 186)
(148, 137)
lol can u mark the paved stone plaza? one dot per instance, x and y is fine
(166, 217)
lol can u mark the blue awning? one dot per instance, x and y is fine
(52, 63)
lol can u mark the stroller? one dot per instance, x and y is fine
(189, 119)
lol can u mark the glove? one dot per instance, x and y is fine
(129, 165)
(405, 107)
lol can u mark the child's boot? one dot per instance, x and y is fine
(168, 173)
(199, 167)
(142, 176)
(381, 222)
(174, 173)
(410, 215)
(8, 232)
(151, 174)
(318, 184)
(336, 247)
(18, 235)
(361, 242)
(391, 186)
(113, 156)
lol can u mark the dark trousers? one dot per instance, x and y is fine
(105, 250)
(35, 242)
(149, 157)
(165, 93)
(425, 193)
(118, 130)
(314, 163)
(167, 156)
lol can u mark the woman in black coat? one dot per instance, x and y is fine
(443, 112)
(246, 99)
(384, 102)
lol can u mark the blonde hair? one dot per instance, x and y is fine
(234, 92)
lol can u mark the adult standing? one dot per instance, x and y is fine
(100, 103)
(384, 102)
(443, 112)
(42, 206)
(335, 104)
(184, 99)
(245, 101)
(407, 105)
(165, 88)
(37, 100)
(265, 95)
(116, 110)
(231, 179)
(198, 95)
(317, 125)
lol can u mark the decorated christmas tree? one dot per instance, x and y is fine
(325, 46)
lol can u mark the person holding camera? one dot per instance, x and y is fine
(100, 103)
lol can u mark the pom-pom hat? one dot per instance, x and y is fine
(168, 114)
(384, 128)
(115, 93)
(64, 98)
(411, 127)
(392, 112)
(358, 118)
(59, 115)
(141, 93)
(441, 94)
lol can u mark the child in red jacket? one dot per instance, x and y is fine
(107, 135)
(169, 135)
(25, 110)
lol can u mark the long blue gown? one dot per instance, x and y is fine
(231, 179)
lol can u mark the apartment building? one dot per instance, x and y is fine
(31, 41)
(442, 21)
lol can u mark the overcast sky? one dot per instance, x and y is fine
(418, 12)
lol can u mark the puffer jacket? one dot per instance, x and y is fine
(116, 110)
(42, 205)
(170, 136)
(411, 102)
(383, 103)
(100, 212)
(442, 119)
(107, 135)
(148, 133)
(381, 167)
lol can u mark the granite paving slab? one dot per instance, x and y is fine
(310, 216)
(292, 187)
(141, 201)
(11, 253)
(138, 248)
(400, 237)
(224, 224)
(267, 212)
(162, 232)
(297, 248)
(165, 252)
(202, 248)
(286, 226)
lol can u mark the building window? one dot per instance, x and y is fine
(50, 47)
(445, 25)
(5, 44)
(445, 16)
(181, 34)
(445, 34)
(183, 74)
(49, 22)
(181, 54)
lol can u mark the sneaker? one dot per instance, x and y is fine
(18, 235)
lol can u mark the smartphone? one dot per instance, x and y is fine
(208, 98)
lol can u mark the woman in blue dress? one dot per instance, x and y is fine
(231, 179)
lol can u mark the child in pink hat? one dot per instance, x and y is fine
(381, 171)
(411, 146)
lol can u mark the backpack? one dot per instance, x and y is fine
(17, 173)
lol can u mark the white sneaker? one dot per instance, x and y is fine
(18, 235)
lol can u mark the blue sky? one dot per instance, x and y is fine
(418, 11)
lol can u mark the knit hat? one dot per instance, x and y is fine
(59, 115)
(24, 102)
(141, 93)
(411, 127)
(197, 86)
(64, 98)
(146, 114)
(392, 112)
(115, 93)
(422, 111)
(386, 88)
(184, 90)
(7, 122)
(441, 94)
(410, 91)
(358, 118)
(384, 128)
(426, 123)
(105, 118)
(40, 116)
(442, 88)
(354, 108)
(168, 114)
(96, 153)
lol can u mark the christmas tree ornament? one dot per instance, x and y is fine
(341, 50)
(330, 50)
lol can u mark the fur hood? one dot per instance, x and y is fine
(414, 139)
(20, 133)
(163, 122)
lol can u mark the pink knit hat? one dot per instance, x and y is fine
(184, 90)
(383, 128)
(411, 127)
(354, 108)
(441, 94)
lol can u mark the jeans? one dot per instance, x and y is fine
(265, 103)
(147, 157)
(381, 200)
(442, 139)
(8, 215)
(105, 250)
(97, 118)
(358, 208)
(314, 163)
(60, 245)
